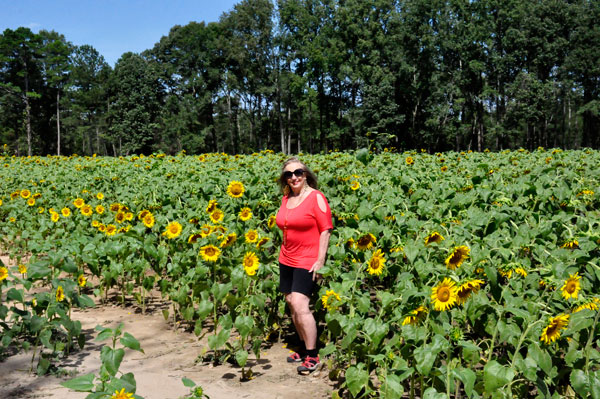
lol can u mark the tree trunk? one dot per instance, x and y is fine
(58, 122)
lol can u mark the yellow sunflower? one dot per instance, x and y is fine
(457, 257)
(129, 216)
(551, 332)
(271, 222)
(54, 217)
(99, 209)
(60, 294)
(122, 395)
(571, 287)
(520, 271)
(466, 289)
(86, 210)
(142, 214)
(251, 236)
(66, 212)
(210, 253)
(212, 205)
(120, 217)
(110, 229)
(591, 305)
(573, 244)
(354, 185)
(78, 202)
(173, 230)
(22, 269)
(193, 238)
(376, 263)
(366, 241)
(31, 202)
(216, 215)
(262, 242)
(434, 237)
(101, 228)
(229, 240)
(25, 194)
(444, 295)
(81, 280)
(115, 207)
(250, 263)
(410, 161)
(245, 214)
(415, 316)
(95, 223)
(330, 300)
(206, 230)
(100, 196)
(148, 220)
(235, 189)
(40, 209)
(3, 273)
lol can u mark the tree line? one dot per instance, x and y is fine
(317, 75)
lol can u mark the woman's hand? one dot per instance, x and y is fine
(316, 267)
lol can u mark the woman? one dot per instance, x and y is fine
(305, 220)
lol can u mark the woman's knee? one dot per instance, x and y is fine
(299, 303)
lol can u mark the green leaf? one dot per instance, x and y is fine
(130, 342)
(188, 383)
(541, 357)
(15, 295)
(580, 383)
(432, 393)
(84, 383)
(425, 358)
(496, 375)
(391, 388)
(241, 357)
(375, 330)
(105, 333)
(356, 378)
(467, 377)
(217, 341)
(111, 359)
(244, 325)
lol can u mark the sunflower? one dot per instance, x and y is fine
(366, 241)
(78, 202)
(206, 230)
(60, 294)
(271, 222)
(573, 244)
(212, 205)
(520, 271)
(229, 240)
(110, 229)
(330, 300)
(466, 289)
(551, 332)
(129, 216)
(571, 287)
(235, 189)
(81, 280)
(376, 263)
(354, 185)
(25, 194)
(54, 217)
(100, 196)
(415, 316)
(121, 394)
(410, 161)
(245, 214)
(3, 273)
(99, 209)
(31, 202)
(22, 269)
(193, 238)
(217, 215)
(210, 253)
(115, 207)
(86, 210)
(15, 195)
(457, 257)
(101, 228)
(40, 209)
(434, 237)
(148, 220)
(444, 168)
(120, 217)
(173, 230)
(250, 263)
(444, 295)
(142, 214)
(591, 305)
(66, 212)
(251, 236)
(95, 223)
(262, 242)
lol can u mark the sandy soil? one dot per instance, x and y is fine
(170, 354)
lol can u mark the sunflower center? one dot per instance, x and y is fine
(248, 262)
(210, 251)
(375, 263)
(571, 287)
(443, 294)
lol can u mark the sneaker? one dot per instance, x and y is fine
(309, 365)
(294, 358)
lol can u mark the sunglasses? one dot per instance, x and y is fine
(288, 175)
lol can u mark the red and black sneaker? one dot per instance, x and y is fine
(294, 357)
(309, 365)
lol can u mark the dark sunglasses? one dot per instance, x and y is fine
(288, 175)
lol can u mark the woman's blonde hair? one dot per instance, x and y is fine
(311, 179)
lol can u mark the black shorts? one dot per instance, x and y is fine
(294, 279)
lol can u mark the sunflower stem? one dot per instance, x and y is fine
(589, 342)
(521, 339)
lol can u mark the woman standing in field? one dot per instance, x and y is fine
(305, 220)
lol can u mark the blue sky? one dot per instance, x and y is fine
(112, 27)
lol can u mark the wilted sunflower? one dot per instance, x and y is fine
(60, 294)
(235, 189)
(173, 230)
(376, 263)
(228, 240)
(216, 215)
(551, 332)
(466, 289)
(571, 287)
(520, 271)
(457, 257)
(444, 295)
(81, 280)
(250, 263)
(245, 214)
(330, 300)
(366, 241)
(78, 202)
(99, 209)
(354, 185)
(210, 253)
(251, 236)
(573, 244)
(110, 229)
(31, 202)
(193, 238)
(262, 242)
(591, 305)
(148, 220)
(212, 205)
(434, 237)
(415, 316)
(86, 210)
(3, 273)
(271, 222)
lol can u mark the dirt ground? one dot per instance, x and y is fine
(170, 354)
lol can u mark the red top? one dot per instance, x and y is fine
(302, 227)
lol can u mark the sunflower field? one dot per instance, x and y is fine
(448, 275)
